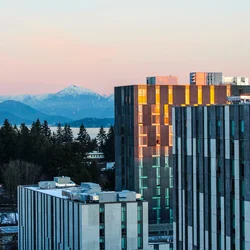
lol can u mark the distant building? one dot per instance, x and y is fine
(206, 78)
(163, 80)
(95, 156)
(211, 163)
(237, 80)
(60, 215)
(110, 165)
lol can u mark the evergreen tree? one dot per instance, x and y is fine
(36, 128)
(94, 171)
(83, 138)
(8, 142)
(109, 146)
(93, 145)
(101, 138)
(67, 134)
(59, 134)
(19, 173)
(24, 143)
(45, 130)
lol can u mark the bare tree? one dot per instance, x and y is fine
(19, 173)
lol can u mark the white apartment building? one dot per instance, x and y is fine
(59, 215)
(237, 80)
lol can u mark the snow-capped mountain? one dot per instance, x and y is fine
(74, 102)
(75, 91)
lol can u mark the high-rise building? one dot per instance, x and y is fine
(60, 215)
(143, 141)
(211, 163)
(162, 80)
(206, 78)
(237, 80)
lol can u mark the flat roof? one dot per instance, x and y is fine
(9, 230)
(56, 192)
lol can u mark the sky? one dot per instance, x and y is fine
(47, 45)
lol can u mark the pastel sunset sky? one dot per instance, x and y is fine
(50, 44)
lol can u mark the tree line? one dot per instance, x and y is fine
(35, 153)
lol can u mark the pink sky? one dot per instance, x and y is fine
(48, 46)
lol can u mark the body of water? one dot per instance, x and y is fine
(92, 131)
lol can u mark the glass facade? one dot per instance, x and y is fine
(211, 197)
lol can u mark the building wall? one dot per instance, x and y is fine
(206, 78)
(211, 177)
(48, 222)
(143, 140)
(238, 80)
(163, 80)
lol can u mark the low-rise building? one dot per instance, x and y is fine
(95, 156)
(237, 80)
(60, 215)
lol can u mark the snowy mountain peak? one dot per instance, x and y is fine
(75, 90)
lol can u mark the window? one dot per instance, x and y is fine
(123, 211)
(142, 94)
(166, 114)
(242, 129)
(171, 182)
(158, 173)
(140, 242)
(139, 213)
(124, 243)
(170, 135)
(157, 94)
(170, 94)
(155, 109)
(232, 128)
(187, 94)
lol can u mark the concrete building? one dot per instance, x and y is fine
(95, 156)
(211, 163)
(237, 80)
(55, 215)
(162, 80)
(143, 141)
(206, 78)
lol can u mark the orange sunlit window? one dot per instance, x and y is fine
(142, 94)
(156, 151)
(155, 119)
(155, 108)
(143, 140)
(140, 119)
(199, 94)
(170, 135)
(142, 130)
(211, 94)
(166, 151)
(158, 140)
(158, 129)
(170, 95)
(140, 109)
(140, 152)
(166, 114)
(187, 94)
(157, 94)
(228, 90)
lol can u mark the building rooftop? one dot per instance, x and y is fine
(86, 193)
(239, 99)
(9, 230)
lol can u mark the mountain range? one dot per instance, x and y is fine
(70, 104)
